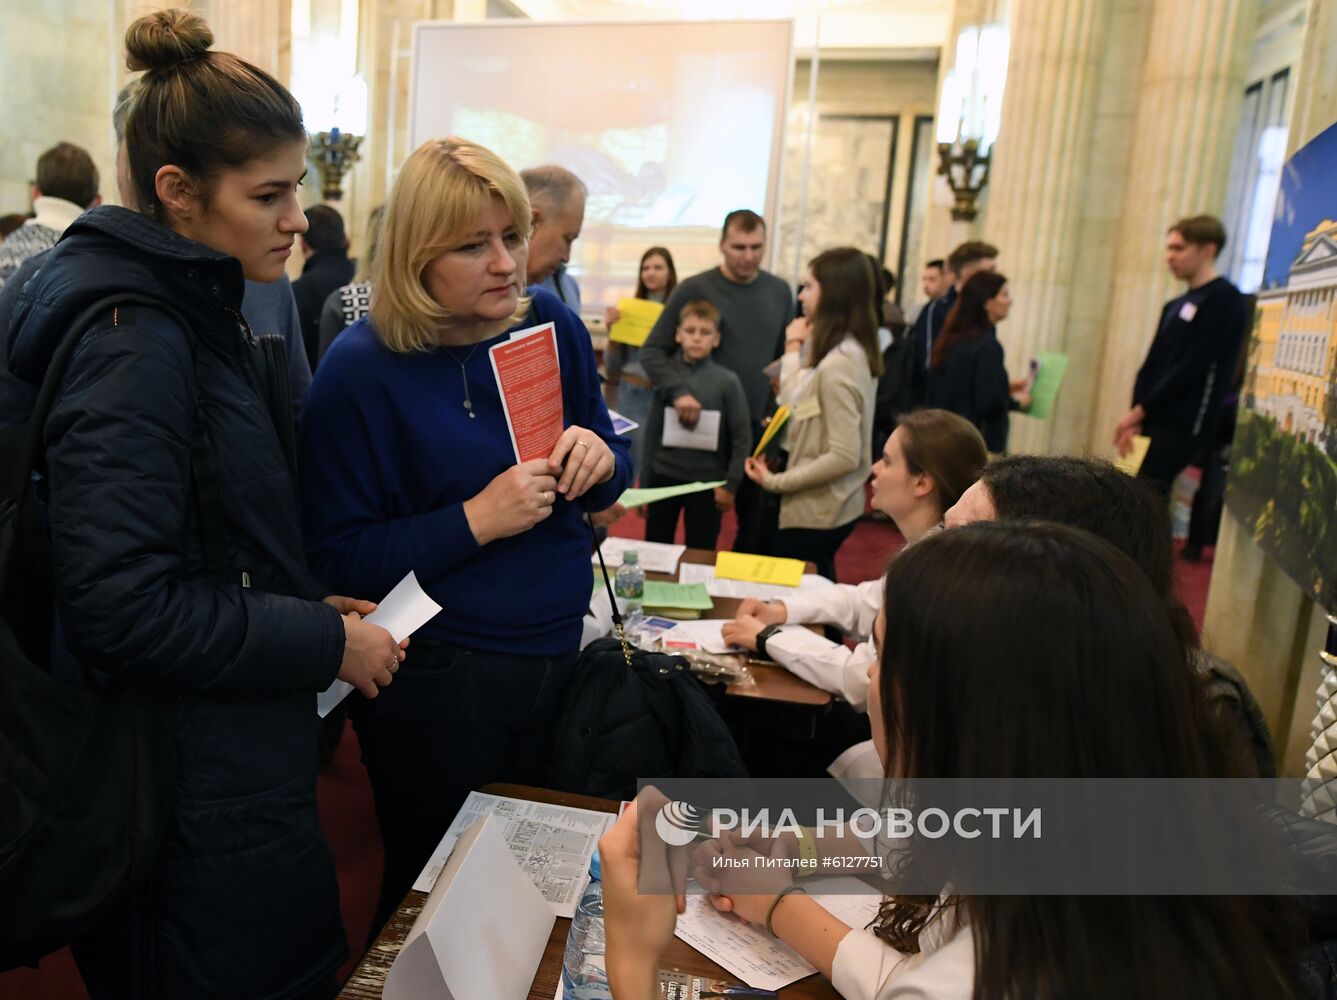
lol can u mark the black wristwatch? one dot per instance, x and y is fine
(763, 635)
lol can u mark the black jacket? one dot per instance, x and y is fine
(244, 897)
(928, 324)
(325, 271)
(1191, 363)
(973, 383)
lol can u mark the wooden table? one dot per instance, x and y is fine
(368, 979)
(773, 682)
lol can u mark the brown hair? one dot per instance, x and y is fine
(11, 222)
(845, 305)
(644, 293)
(968, 318)
(701, 309)
(744, 220)
(970, 252)
(67, 171)
(1202, 229)
(200, 110)
(945, 447)
(1001, 698)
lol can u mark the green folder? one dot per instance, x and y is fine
(1047, 382)
(689, 596)
(639, 497)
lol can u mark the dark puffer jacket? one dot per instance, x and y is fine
(244, 900)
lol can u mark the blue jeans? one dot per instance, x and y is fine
(633, 402)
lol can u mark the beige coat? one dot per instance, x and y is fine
(830, 443)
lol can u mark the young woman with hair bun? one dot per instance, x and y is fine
(242, 900)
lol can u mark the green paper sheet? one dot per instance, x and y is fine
(640, 497)
(691, 596)
(1047, 382)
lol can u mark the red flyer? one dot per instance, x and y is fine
(529, 378)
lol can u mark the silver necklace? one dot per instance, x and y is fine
(464, 377)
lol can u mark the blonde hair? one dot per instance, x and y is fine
(441, 190)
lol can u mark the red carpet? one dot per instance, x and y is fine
(346, 810)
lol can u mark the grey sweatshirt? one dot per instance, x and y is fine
(716, 388)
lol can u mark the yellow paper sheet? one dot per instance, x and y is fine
(638, 318)
(758, 569)
(1132, 462)
(773, 428)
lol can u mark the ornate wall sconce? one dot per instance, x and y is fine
(333, 153)
(970, 113)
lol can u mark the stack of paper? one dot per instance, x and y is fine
(696, 573)
(654, 557)
(758, 569)
(761, 961)
(704, 635)
(689, 596)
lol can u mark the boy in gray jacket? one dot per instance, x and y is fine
(715, 449)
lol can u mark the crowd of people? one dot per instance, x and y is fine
(400, 444)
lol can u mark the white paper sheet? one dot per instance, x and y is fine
(654, 557)
(598, 621)
(705, 436)
(750, 954)
(553, 844)
(705, 634)
(405, 609)
(753, 956)
(699, 573)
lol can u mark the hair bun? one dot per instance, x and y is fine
(166, 38)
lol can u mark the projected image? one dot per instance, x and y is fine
(670, 126)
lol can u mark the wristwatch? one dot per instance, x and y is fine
(763, 635)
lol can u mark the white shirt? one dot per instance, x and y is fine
(867, 968)
(54, 213)
(829, 665)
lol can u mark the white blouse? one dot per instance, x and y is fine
(867, 968)
(829, 665)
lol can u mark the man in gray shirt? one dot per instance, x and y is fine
(756, 307)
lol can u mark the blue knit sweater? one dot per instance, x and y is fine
(388, 456)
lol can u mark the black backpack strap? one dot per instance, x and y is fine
(26, 566)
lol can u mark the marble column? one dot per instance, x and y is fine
(1187, 116)
(1257, 617)
(1042, 161)
(260, 31)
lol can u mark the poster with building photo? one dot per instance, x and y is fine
(1283, 476)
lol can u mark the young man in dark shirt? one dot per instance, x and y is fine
(963, 263)
(1178, 392)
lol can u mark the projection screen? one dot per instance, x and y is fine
(671, 125)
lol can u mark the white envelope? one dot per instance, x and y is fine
(705, 436)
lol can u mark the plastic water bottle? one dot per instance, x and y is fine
(629, 584)
(584, 975)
